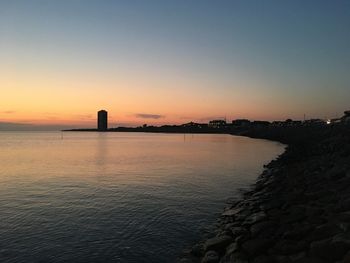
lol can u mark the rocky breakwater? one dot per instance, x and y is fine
(297, 211)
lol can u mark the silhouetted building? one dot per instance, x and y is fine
(102, 120)
(287, 123)
(336, 121)
(346, 117)
(278, 123)
(314, 122)
(241, 122)
(195, 125)
(261, 123)
(217, 124)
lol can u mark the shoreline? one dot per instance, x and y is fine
(298, 210)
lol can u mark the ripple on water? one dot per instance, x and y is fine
(117, 197)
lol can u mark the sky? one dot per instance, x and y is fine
(165, 62)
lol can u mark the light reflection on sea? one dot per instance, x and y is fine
(117, 197)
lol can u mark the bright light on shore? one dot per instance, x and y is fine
(328, 122)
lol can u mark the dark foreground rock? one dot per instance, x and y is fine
(297, 211)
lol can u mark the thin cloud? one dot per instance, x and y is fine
(8, 111)
(149, 116)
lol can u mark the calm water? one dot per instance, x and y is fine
(117, 197)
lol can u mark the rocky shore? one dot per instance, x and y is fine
(297, 211)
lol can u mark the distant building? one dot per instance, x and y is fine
(261, 123)
(241, 122)
(346, 118)
(278, 123)
(217, 124)
(313, 122)
(102, 120)
(195, 125)
(287, 123)
(335, 121)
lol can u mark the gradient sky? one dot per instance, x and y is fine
(164, 61)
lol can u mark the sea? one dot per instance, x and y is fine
(118, 197)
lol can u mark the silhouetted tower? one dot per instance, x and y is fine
(102, 120)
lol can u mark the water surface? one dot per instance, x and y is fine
(117, 197)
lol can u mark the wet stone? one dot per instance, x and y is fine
(197, 250)
(324, 231)
(241, 239)
(255, 247)
(255, 218)
(299, 232)
(287, 247)
(263, 259)
(264, 226)
(308, 260)
(210, 257)
(238, 231)
(330, 249)
(231, 212)
(218, 243)
(236, 257)
(233, 247)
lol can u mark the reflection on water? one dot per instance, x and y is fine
(117, 197)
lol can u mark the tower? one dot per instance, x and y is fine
(102, 120)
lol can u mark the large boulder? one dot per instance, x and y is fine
(211, 257)
(331, 249)
(218, 243)
(255, 247)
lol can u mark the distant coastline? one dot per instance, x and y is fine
(155, 129)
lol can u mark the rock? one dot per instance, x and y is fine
(218, 243)
(264, 226)
(237, 257)
(255, 247)
(238, 231)
(345, 227)
(185, 260)
(232, 201)
(332, 249)
(296, 214)
(324, 231)
(287, 247)
(255, 218)
(232, 248)
(297, 256)
(263, 259)
(299, 232)
(243, 215)
(231, 212)
(345, 216)
(197, 250)
(346, 258)
(210, 257)
(343, 206)
(308, 260)
(240, 239)
(228, 226)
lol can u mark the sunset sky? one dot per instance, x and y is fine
(162, 62)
